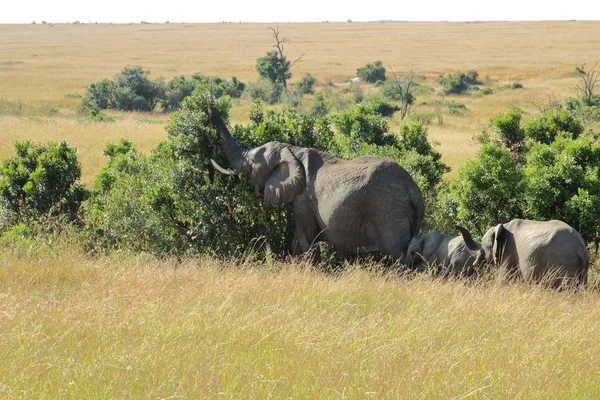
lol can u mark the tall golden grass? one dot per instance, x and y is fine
(75, 327)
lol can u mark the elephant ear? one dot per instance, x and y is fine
(286, 180)
(499, 242)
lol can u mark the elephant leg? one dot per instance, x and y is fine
(395, 240)
(306, 230)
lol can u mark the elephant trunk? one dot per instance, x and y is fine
(471, 244)
(233, 152)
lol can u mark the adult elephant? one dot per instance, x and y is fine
(551, 252)
(450, 255)
(361, 205)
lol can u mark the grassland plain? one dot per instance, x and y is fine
(76, 327)
(44, 67)
(72, 326)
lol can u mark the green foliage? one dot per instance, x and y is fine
(264, 90)
(508, 128)
(563, 178)
(362, 124)
(287, 126)
(380, 106)
(557, 175)
(486, 91)
(372, 72)
(130, 90)
(487, 190)
(41, 180)
(306, 85)
(97, 116)
(550, 124)
(394, 91)
(274, 67)
(320, 106)
(459, 82)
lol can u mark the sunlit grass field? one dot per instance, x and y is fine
(76, 326)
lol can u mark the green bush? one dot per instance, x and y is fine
(508, 128)
(42, 180)
(362, 124)
(372, 72)
(550, 124)
(306, 85)
(320, 106)
(459, 82)
(563, 182)
(274, 67)
(488, 189)
(264, 90)
(557, 176)
(130, 90)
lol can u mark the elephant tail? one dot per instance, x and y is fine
(584, 267)
(418, 211)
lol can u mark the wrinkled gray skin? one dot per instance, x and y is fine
(451, 255)
(361, 205)
(551, 252)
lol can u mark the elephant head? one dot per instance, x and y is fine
(493, 243)
(273, 167)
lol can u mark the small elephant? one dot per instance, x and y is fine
(551, 252)
(361, 205)
(452, 255)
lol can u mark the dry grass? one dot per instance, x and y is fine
(83, 328)
(42, 65)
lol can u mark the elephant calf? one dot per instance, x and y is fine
(551, 252)
(453, 255)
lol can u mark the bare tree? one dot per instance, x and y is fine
(552, 103)
(279, 42)
(589, 79)
(404, 87)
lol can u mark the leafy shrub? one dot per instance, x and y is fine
(508, 128)
(488, 189)
(274, 67)
(306, 84)
(558, 179)
(320, 106)
(513, 86)
(42, 180)
(97, 116)
(130, 90)
(459, 82)
(361, 123)
(424, 118)
(545, 128)
(265, 91)
(180, 87)
(562, 178)
(380, 106)
(372, 72)
(486, 91)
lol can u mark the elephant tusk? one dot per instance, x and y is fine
(222, 170)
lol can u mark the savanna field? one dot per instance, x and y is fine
(75, 324)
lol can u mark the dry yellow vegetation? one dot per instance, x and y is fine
(75, 327)
(44, 65)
